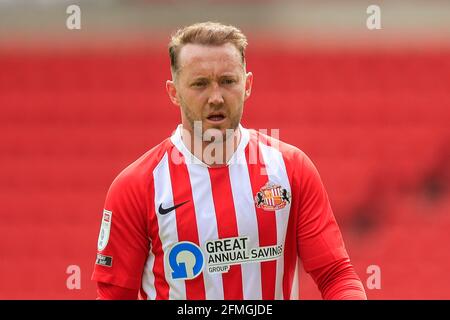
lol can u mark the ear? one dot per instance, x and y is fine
(248, 85)
(172, 92)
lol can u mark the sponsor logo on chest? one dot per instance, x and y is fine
(187, 260)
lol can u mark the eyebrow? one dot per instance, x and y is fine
(199, 79)
(229, 75)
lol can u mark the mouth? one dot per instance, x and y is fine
(216, 117)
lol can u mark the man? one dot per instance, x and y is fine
(218, 211)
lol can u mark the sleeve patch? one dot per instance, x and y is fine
(105, 230)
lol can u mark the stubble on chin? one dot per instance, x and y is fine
(199, 130)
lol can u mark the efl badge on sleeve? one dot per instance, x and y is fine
(272, 197)
(105, 229)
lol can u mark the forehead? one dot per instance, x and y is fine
(198, 58)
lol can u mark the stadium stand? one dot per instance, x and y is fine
(70, 121)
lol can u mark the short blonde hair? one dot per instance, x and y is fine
(206, 33)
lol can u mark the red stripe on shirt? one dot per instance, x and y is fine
(226, 227)
(161, 285)
(290, 244)
(186, 219)
(142, 295)
(290, 247)
(267, 224)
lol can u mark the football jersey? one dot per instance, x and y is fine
(176, 228)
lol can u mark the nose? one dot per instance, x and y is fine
(215, 96)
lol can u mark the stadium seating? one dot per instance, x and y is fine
(374, 123)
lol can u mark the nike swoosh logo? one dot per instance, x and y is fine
(163, 211)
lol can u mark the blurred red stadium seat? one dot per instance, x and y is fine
(71, 121)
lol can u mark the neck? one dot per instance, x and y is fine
(213, 154)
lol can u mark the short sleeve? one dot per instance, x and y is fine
(123, 243)
(319, 239)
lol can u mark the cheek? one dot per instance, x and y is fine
(193, 101)
(238, 97)
(195, 96)
(239, 91)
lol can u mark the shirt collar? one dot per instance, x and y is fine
(237, 157)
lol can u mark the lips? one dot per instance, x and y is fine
(216, 116)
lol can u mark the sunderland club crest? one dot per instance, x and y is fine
(272, 197)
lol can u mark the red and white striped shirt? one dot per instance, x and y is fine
(177, 229)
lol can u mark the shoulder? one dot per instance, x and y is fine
(139, 173)
(291, 154)
(294, 162)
